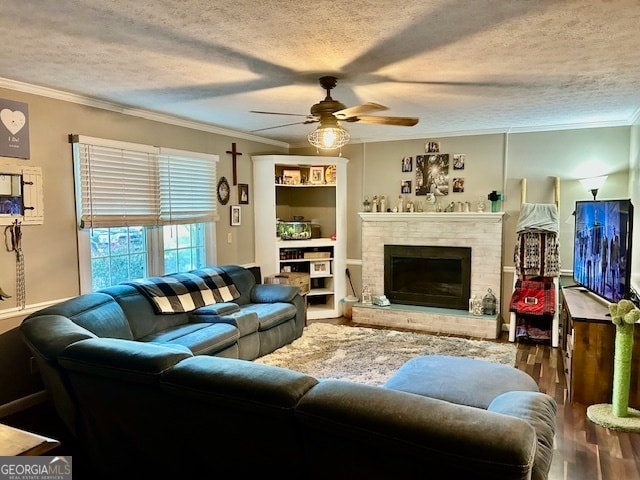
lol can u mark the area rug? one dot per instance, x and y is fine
(371, 356)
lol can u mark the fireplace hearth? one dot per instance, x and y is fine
(429, 276)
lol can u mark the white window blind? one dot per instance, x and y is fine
(123, 184)
(187, 187)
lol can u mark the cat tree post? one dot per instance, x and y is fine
(622, 369)
(618, 415)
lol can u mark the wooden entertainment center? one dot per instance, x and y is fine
(588, 338)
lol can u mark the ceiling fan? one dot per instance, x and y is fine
(328, 112)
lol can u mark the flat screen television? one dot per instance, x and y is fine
(602, 247)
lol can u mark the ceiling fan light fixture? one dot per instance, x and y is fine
(329, 138)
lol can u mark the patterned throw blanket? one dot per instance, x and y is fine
(537, 254)
(184, 292)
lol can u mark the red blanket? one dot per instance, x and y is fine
(533, 297)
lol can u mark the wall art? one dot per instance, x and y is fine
(405, 186)
(14, 129)
(407, 164)
(236, 215)
(458, 161)
(223, 191)
(458, 185)
(432, 147)
(243, 193)
(432, 174)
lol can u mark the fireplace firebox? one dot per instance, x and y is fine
(431, 276)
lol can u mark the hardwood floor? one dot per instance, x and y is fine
(584, 450)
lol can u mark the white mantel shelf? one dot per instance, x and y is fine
(480, 217)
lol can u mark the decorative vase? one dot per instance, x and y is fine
(495, 206)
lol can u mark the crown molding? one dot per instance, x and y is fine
(134, 112)
(506, 130)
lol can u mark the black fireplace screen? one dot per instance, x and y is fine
(431, 276)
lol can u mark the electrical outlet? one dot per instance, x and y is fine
(229, 237)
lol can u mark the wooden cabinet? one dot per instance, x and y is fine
(288, 186)
(588, 339)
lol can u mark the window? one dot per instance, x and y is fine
(118, 254)
(184, 247)
(142, 210)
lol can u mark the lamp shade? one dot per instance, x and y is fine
(329, 137)
(593, 183)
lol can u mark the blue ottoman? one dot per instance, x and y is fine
(491, 386)
(465, 381)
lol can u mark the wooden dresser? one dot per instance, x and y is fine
(588, 339)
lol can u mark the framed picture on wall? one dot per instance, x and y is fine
(432, 147)
(236, 215)
(243, 193)
(458, 161)
(407, 164)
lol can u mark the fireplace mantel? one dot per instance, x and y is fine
(479, 217)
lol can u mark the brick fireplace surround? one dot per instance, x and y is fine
(480, 231)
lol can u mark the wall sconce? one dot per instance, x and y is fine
(593, 184)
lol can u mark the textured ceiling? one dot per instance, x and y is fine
(460, 66)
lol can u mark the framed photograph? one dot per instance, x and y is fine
(458, 161)
(407, 164)
(405, 186)
(236, 215)
(223, 191)
(432, 174)
(458, 185)
(243, 193)
(432, 147)
(291, 177)
(320, 269)
(316, 175)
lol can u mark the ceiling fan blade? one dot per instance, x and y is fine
(280, 113)
(368, 107)
(286, 125)
(379, 120)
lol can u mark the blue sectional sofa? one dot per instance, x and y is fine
(254, 320)
(150, 395)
